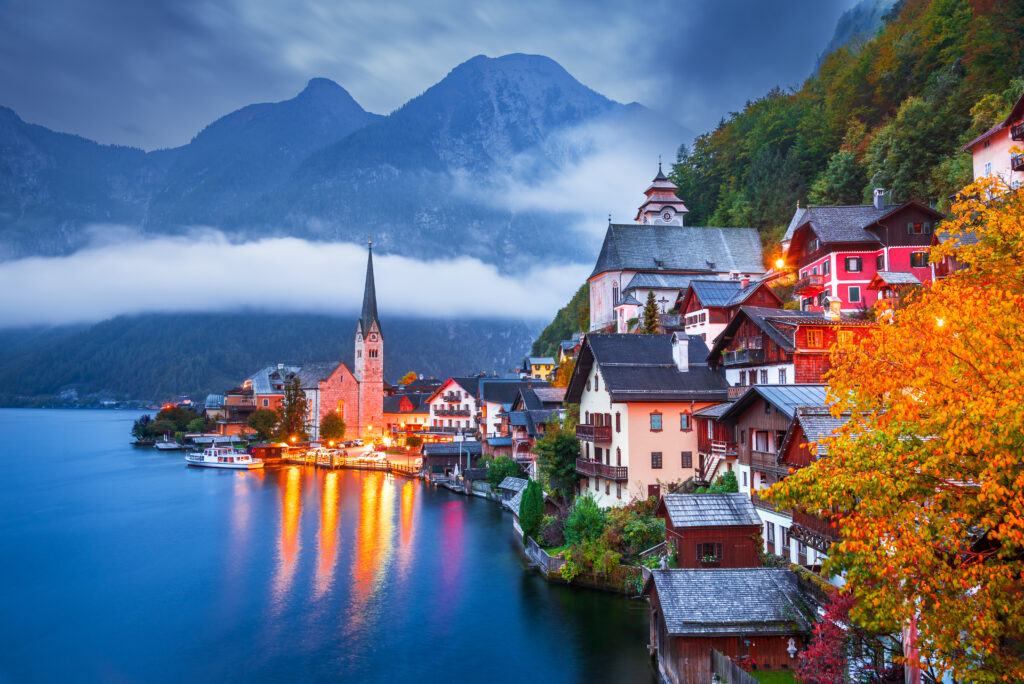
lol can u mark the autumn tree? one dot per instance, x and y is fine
(556, 453)
(293, 413)
(408, 377)
(563, 373)
(263, 421)
(332, 427)
(926, 480)
(650, 315)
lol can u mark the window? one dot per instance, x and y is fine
(655, 422)
(687, 459)
(684, 422)
(764, 377)
(618, 490)
(880, 262)
(814, 271)
(769, 529)
(807, 302)
(588, 384)
(607, 487)
(927, 227)
(854, 264)
(656, 460)
(744, 479)
(845, 337)
(988, 165)
(767, 408)
(854, 294)
(813, 245)
(372, 353)
(359, 353)
(615, 294)
(597, 382)
(782, 376)
(815, 338)
(918, 259)
(826, 268)
(597, 484)
(743, 437)
(266, 402)
(709, 552)
(618, 422)
(618, 456)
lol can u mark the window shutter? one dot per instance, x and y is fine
(618, 422)
(927, 227)
(910, 229)
(700, 552)
(718, 550)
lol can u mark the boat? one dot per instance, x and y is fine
(222, 457)
(169, 445)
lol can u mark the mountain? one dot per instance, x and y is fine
(157, 356)
(856, 26)
(428, 180)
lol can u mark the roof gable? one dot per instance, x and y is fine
(691, 249)
(709, 510)
(785, 399)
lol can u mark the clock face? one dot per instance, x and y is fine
(667, 216)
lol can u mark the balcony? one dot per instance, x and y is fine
(594, 433)
(598, 469)
(813, 531)
(810, 284)
(764, 460)
(451, 397)
(1017, 131)
(743, 357)
(724, 449)
(766, 505)
(452, 412)
(1017, 162)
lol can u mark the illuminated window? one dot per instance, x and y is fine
(918, 259)
(815, 338)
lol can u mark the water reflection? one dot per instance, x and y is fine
(373, 548)
(328, 546)
(289, 543)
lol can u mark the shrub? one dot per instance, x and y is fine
(531, 509)
(413, 441)
(585, 522)
(553, 530)
(501, 467)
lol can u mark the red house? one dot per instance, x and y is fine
(712, 530)
(707, 306)
(837, 250)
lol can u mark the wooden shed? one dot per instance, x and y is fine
(712, 530)
(757, 616)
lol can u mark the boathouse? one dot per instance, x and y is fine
(712, 530)
(758, 617)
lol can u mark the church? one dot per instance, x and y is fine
(357, 394)
(659, 253)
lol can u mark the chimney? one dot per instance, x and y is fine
(681, 351)
(879, 198)
(745, 282)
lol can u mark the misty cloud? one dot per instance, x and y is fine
(205, 272)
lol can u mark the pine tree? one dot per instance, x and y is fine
(650, 324)
(531, 509)
(293, 413)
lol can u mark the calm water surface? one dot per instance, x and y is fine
(123, 565)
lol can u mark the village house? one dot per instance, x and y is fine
(712, 530)
(991, 151)
(526, 422)
(757, 615)
(233, 418)
(495, 397)
(658, 244)
(775, 346)
(568, 349)
(443, 459)
(707, 306)
(636, 395)
(761, 419)
(453, 407)
(889, 286)
(836, 250)
(538, 367)
(405, 414)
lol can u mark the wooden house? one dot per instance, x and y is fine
(756, 615)
(712, 530)
(707, 306)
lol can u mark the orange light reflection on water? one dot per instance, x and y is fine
(289, 543)
(374, 546)
(328, 546)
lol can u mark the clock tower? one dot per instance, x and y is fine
(369, 363)
(662, 205)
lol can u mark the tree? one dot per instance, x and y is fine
(413, 441)
(501, 467)
(564, 372)
(926, 480)
(725, 484)
(181, 417)
(842, 181)
(408, 377)
(585, 521)
(140, 425)
(650, 317)
(264, 422)
(293, 413)
(531, 509)
(196, 425)
(556, 453)
(332, 427)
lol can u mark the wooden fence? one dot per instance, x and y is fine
(728, 671)
(548, 564)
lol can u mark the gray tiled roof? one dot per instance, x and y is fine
(710, 510)
(839, 223)
(639, 247)
(214, 401)
(540, 360)
(504, 441)
(419, 403)
(550, 395)
(730, 601)
(817, 423)
(714, 411)
(723, 292)
(964, 238)
(659, 281)
(513, 483)
(503, 391)
(785, 398)
(629, 300)
(897, 278)
(261, 379)
(311, 374)
(472, 447)
(641, 368)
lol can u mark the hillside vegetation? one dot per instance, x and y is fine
(573, 317)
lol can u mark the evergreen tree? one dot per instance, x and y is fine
(531, 509)
(332, 427)
(842, 181)
(293, 413)
(650, 324)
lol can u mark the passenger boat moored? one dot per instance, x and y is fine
(222, 457)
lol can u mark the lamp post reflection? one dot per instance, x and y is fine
(373, 548)
(328, 546)
(289, 544)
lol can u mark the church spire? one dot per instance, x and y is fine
(369, 314)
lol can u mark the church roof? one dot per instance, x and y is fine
(369, 313)
(695, 249)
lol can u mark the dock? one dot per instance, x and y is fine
(336, 462)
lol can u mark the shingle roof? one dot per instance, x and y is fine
(840, 223)
(659, 281)
(710, 510)
(639, 247)
(311, 374)
(714, 411)
(214, 401)
(629, 300)
(261, 379)
(723, 292)
(503, 391)
(419, 403)
(515, 484)
(897, 278)
(641, 368)
(817, 423)
(785, 398)
(452, 448)
(730, 601)
(540, 360)
(500, 442)
(550, 395)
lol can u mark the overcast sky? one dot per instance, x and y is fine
(152, 73)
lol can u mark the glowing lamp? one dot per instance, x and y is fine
(779, 263)
(293, 438)
(940, 322)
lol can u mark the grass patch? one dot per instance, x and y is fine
(555, 550)
(774, 676)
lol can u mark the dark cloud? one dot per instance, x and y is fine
(153, 73)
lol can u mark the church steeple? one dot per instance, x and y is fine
(662, 205)
(369, 313)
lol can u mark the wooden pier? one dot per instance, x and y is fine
(334, 462)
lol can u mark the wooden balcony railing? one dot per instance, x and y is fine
(451, 396)
(760, 459)
(594, 433)
(813, 531)
(1017, 131)
(452, 412)
(743, 356)
(766, 505)
(810, 284)
(597, 469)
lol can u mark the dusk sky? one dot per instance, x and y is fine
(153, 73)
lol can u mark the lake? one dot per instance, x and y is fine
(124, 565)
